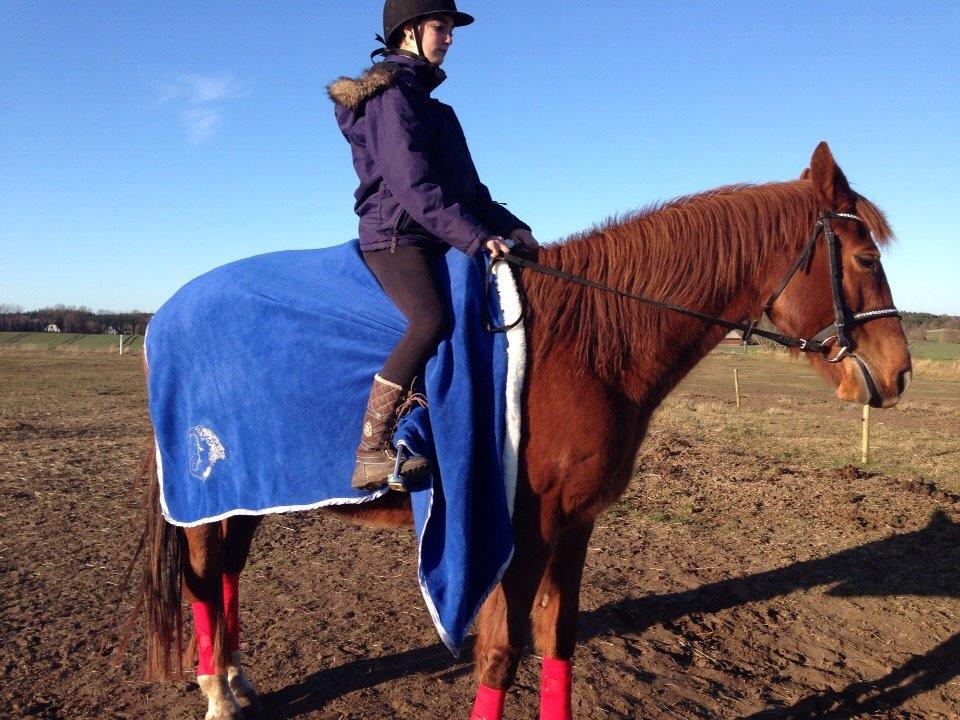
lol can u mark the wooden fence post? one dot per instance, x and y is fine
(865, 443)
(736, 385)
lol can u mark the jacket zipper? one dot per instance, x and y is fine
(396, 229)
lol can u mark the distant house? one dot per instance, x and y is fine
(52, 328)
(944, 335)
(735, 337)
(110, 331)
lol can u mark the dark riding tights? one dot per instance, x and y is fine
(408, 277)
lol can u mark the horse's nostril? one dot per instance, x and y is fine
(903, 381)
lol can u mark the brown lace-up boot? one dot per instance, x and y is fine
(376, 456)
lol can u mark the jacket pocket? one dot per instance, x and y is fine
(381, 197)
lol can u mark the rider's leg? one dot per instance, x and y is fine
(409, 279)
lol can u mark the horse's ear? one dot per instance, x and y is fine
(805, 175)
(829, 182)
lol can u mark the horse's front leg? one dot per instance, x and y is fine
(504, 624)
(238, 535)
(555, 611)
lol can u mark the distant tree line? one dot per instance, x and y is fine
(916, 324)
(14, 318)
(83, 320)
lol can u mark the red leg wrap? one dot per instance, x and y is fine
(555, 687)
(203, 625)
(489, 704)
(231, 610)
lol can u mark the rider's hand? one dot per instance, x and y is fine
(525, 238)
(496, 246)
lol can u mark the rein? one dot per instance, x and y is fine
(835, 335)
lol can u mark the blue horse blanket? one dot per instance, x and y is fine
(258, 377)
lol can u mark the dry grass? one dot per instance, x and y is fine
(789, 415)
(924, 367)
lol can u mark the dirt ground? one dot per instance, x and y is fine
(752, 571)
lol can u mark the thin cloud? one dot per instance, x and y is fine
(202, 100)
(201, 123)
(211, 88)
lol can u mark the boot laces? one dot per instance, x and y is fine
(413, 400)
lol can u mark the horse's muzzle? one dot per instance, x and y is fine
(871, 390)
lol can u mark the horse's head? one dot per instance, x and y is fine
(875, 368)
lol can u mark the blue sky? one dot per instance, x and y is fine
(142, 144)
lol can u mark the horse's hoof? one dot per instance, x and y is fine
(242, 689)
(221, 704)
(248, 700)
(224, 713)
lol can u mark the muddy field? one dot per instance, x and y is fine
(752, 571)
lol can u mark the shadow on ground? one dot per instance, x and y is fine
(924, 563)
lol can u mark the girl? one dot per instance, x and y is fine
(419, 195)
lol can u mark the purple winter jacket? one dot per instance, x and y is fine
(418, 183)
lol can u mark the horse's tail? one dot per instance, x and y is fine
(160, 584)
(160, 588)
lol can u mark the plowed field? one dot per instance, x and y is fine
(753, 570)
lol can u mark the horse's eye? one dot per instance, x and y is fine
(867, 262)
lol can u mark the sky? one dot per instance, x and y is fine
(144, 143)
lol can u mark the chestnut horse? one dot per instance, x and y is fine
(599, 366)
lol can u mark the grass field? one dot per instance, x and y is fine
(787, 412)
(71, 342)
(943, 352)
(936, 351)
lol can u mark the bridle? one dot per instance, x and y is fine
(834, 337)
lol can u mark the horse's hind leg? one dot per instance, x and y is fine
(503, 627)
(203, 586)
(237, 536)
(555, 611)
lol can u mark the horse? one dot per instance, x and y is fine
(599, 365)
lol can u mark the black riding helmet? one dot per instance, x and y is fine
(397, 13)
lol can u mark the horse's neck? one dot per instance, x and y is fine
(664, 345)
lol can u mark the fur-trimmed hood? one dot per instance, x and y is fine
(353, 92)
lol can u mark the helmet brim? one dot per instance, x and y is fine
(459, 20)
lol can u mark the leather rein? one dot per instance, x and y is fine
(833, 337)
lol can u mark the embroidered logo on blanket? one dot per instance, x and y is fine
(206, 450)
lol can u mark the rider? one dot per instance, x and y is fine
(419, 195)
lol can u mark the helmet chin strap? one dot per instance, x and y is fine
(419, 38)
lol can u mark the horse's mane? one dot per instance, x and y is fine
(691, 251)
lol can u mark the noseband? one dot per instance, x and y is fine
(834, 337)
